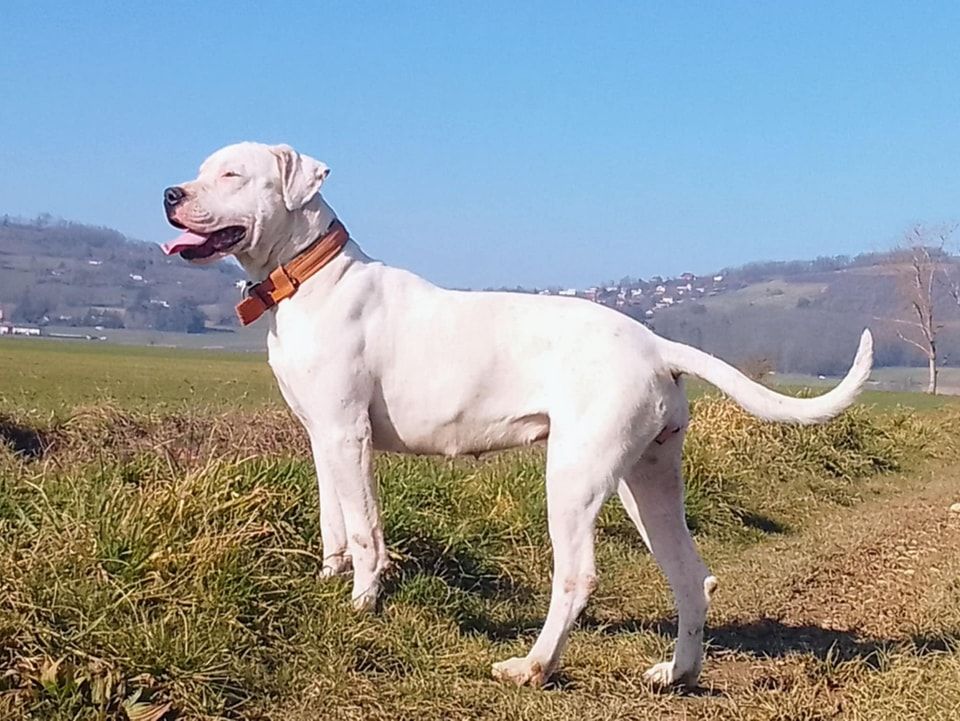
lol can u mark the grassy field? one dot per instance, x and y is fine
(55, 375)
(898, 381)
(159, 559)
(58, 376)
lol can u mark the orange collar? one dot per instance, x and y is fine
(284, 281)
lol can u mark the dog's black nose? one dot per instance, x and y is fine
(172, 196)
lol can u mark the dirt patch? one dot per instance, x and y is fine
(859, 586)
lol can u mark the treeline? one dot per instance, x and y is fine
(810, 341)
(760, 271)
(182, 316)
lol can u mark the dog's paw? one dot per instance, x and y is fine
(336, 565)
(365, 598)
(660, 675)
(521, 671)
(365, 603)
(665, 675)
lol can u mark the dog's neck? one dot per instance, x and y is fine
(308, 227)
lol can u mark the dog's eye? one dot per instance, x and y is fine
(230, 174)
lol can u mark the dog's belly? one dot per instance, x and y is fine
(467, 433)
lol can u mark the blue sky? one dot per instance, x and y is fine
(505, 143)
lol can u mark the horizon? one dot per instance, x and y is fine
(845, 259)
(507, 146)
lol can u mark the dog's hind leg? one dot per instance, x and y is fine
(630, 506)
(653, 496)
(575, 493)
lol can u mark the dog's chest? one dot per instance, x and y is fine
(287, 383)
(296, 362)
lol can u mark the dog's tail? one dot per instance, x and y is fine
(765, 403)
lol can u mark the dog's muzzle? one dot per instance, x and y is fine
(172, 197)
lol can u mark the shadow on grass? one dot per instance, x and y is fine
(625, 533)
(25, 441)
(454, 582)
(764, 638)
(456, 567)
(762, 523)
(767, 638)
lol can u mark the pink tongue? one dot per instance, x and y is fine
(187, 240)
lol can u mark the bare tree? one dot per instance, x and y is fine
(926, 278)
(756, 367)
(954, 283)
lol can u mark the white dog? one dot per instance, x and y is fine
(374, 358)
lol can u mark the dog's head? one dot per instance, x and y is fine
(247, 198)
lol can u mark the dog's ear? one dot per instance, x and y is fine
(300, 176)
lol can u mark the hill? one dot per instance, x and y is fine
(794, 317)
(800, 318)
(57, 272)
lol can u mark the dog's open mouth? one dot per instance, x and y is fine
(198, 246)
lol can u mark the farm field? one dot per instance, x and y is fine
(896, 380)
(51, 375)
(159, 559)
(56, 376)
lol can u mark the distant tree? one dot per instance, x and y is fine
(955, 292)
(183, 316)
(32, 307)
(926, 276)
(757, 368)
(102, 318)
(228, 320)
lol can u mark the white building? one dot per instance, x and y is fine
(7, 329)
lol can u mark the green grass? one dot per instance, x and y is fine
(160, 555)
(876, 399)
(51, 375)
(140, 557)
(57, 375)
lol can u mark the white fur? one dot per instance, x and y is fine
(370, 357)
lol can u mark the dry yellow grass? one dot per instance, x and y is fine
(155, 565)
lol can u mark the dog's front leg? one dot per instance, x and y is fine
(344, 459)
(333, 533)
